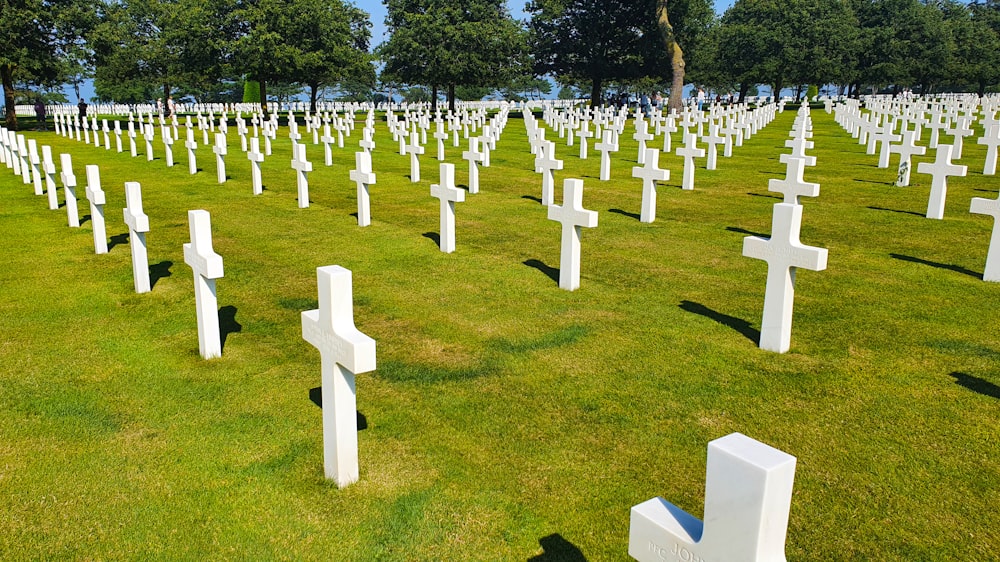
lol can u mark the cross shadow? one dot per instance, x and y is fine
(875, 182)
(985, 190)
(745, 231)
(532, 197)
(976, 384)
(738, 324)
(84, 219)
(433, 236)
(557, 549)
(551, 272)
(625, 213)
(228, 324)
(764, 195)
(776, 174)
(914, 213)
(463, 186)
(159, 271)
(949, 267)
(117, 240)
(316, 396)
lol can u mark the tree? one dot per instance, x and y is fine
(442, 43)
(30, 47)
(146, 45)
(597, 41)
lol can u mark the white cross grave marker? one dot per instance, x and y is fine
(990, 138)
(793, 186)
(69, 190)
(302, 168)
(449, 195)
(606, 147)
(344, 352)
(49, 167)
(327, 139)
(149, 134)
(36, 166)
(207, 267)
(982, 206)
(474, 157)
(573, 216)
(939, 171)
(650, 174)
(255, 158)
(690, 151)
(546, 164)
(138, 226)
(906, 151)
(220, 149)
(642, 135)
(784, 254)
(415, 150)
(192, 146)
(363, 177)
(748, 494)
(712, 139)
(97, 200)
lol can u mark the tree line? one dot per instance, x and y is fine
(247, 50)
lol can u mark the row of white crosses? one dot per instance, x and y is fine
(953, 116)
(783, 251)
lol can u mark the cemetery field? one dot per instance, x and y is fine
(507, 419)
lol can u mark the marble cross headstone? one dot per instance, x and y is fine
(49, 167)
(793, 186)
(939, 171)
(784, 254)
(983, 206)
(748, 495)
(220, 149)
(362, 176)
(149, 134)
(415, 150)
(344, 352)
(168, 146)
(449, 195)
(97, 200)
(991, 139)
(546, 164)
(606, 147)
(207, 267)
(302, 168)
(69, 190)
(192, 146)
(255, 158)
(327, 139)
(642, 136)
(36, 166)
(573, 216)
(474, 157)
(690, 151)
(906, 151)
(138, 226)
(650, 174)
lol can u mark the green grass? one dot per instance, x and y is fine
(507, 419)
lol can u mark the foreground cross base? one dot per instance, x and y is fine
(748, 493)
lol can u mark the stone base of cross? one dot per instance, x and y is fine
(748, 494)
(345, 352)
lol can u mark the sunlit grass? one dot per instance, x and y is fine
(507, 418)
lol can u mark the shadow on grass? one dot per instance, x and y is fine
(433, 236)
(976, 384)
(551, 272)
(159, 271)
(752, 194)
(117, 240)
(949, 267)
(635, 216)
(738, 324)
(532, 198)
(985, 190)
(228, 324)
(745, 231)
(557, 549)
(914, 213)
(463, 186)
(84, 219)
(875, 182)
(316, 396)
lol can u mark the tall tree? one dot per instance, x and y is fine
(598, 41)
(442, 43)
(31, 50)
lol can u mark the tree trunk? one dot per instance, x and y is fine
(676, 54)
(263, 97)
(451, 98)
(313, 91)
(982, 88)
(595, 92)
(744, 88)
(7, 74)
(434, 97)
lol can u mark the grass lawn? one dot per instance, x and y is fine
(507, 419)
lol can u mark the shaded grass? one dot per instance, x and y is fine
(504, 412)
